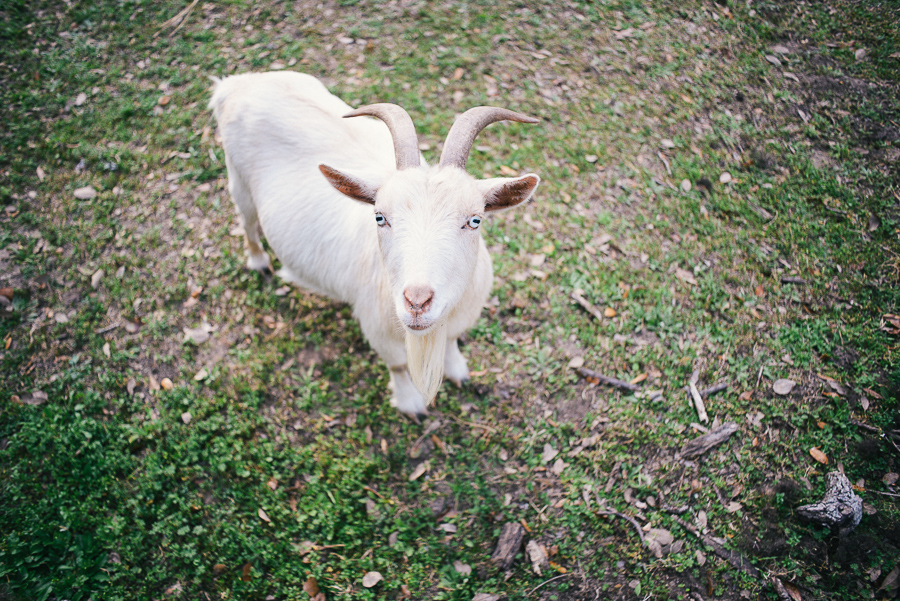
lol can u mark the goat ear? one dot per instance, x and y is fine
(349, 185)
(506, 192)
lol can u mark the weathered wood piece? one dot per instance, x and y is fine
(508, 545)
(840, 508)
(587, 306)
(695, 395)
(711, 390)
(702, 444)
(587, 373)
(735, 559)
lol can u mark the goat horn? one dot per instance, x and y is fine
(403, 132)
(462, 134)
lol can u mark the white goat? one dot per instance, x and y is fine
(407, 253)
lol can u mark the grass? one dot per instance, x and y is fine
(110, 492)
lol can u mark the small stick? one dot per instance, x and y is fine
(665, 162)
(793, 280)
(474, 425)
(623, 516)
(547, 581)
(586, 305)
(711, 390)
(731, 557)
(108, 328)
(587, 373)
(698, 400)
(180, 18)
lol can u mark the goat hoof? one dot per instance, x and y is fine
(462, 382)
(415, 417)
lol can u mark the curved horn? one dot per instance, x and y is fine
(462, 134)
(403, 132)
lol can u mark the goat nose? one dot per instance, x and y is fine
(418, 298)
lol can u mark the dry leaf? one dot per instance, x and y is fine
(371, 579)
(640, 378)
(164, 100)
(420, 469)
(818, 455)
(201, 375)
(167, 384)
(219, 568)
(725, 178)
(37, 397)
(106, 350)
(85, 193)
(245, 572)
(272, 483)
(783, 386)
(40, 174)
(890, 478)
(548, 454)
(609, 312)
(95, 279)
(80, 99)
(773, 59)
(508, 171)
(685, 276)
(792, 590)
(186, 417)
(263, 515)
(311, 587)
(576, 362)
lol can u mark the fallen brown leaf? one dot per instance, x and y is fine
(311, 587)
(818, 455)
(263, 515)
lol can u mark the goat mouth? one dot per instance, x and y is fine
(418, 327)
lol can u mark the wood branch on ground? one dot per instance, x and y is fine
(587, 373)
(698, 400)
(840, 508)
(711, 390)
(734, 558)
(702, 444)
(793, 280)
(586, 305)
(508, 545)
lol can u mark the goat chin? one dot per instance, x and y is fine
(425, 359)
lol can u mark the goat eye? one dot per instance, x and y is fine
(379, 219)
(474, 222)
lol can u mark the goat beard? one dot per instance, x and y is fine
(425, 360)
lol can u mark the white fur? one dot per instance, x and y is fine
(277, 128)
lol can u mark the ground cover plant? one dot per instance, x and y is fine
(720, 187)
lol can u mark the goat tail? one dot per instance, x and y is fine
(218, 95)
(425, 360)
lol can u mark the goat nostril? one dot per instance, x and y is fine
(418, 298)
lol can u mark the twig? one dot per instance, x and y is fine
(888, 436)
(735, 559)
(547, 582)
(629, 518)
(587, 373)
(711, 390)
(108, 328)
(698, 400)
(474, 425)
(178, 19)
(878, 492)
(793, 280)
(586, 305)
(665, 162)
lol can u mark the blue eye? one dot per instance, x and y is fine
(474, 222)
(380, 220)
